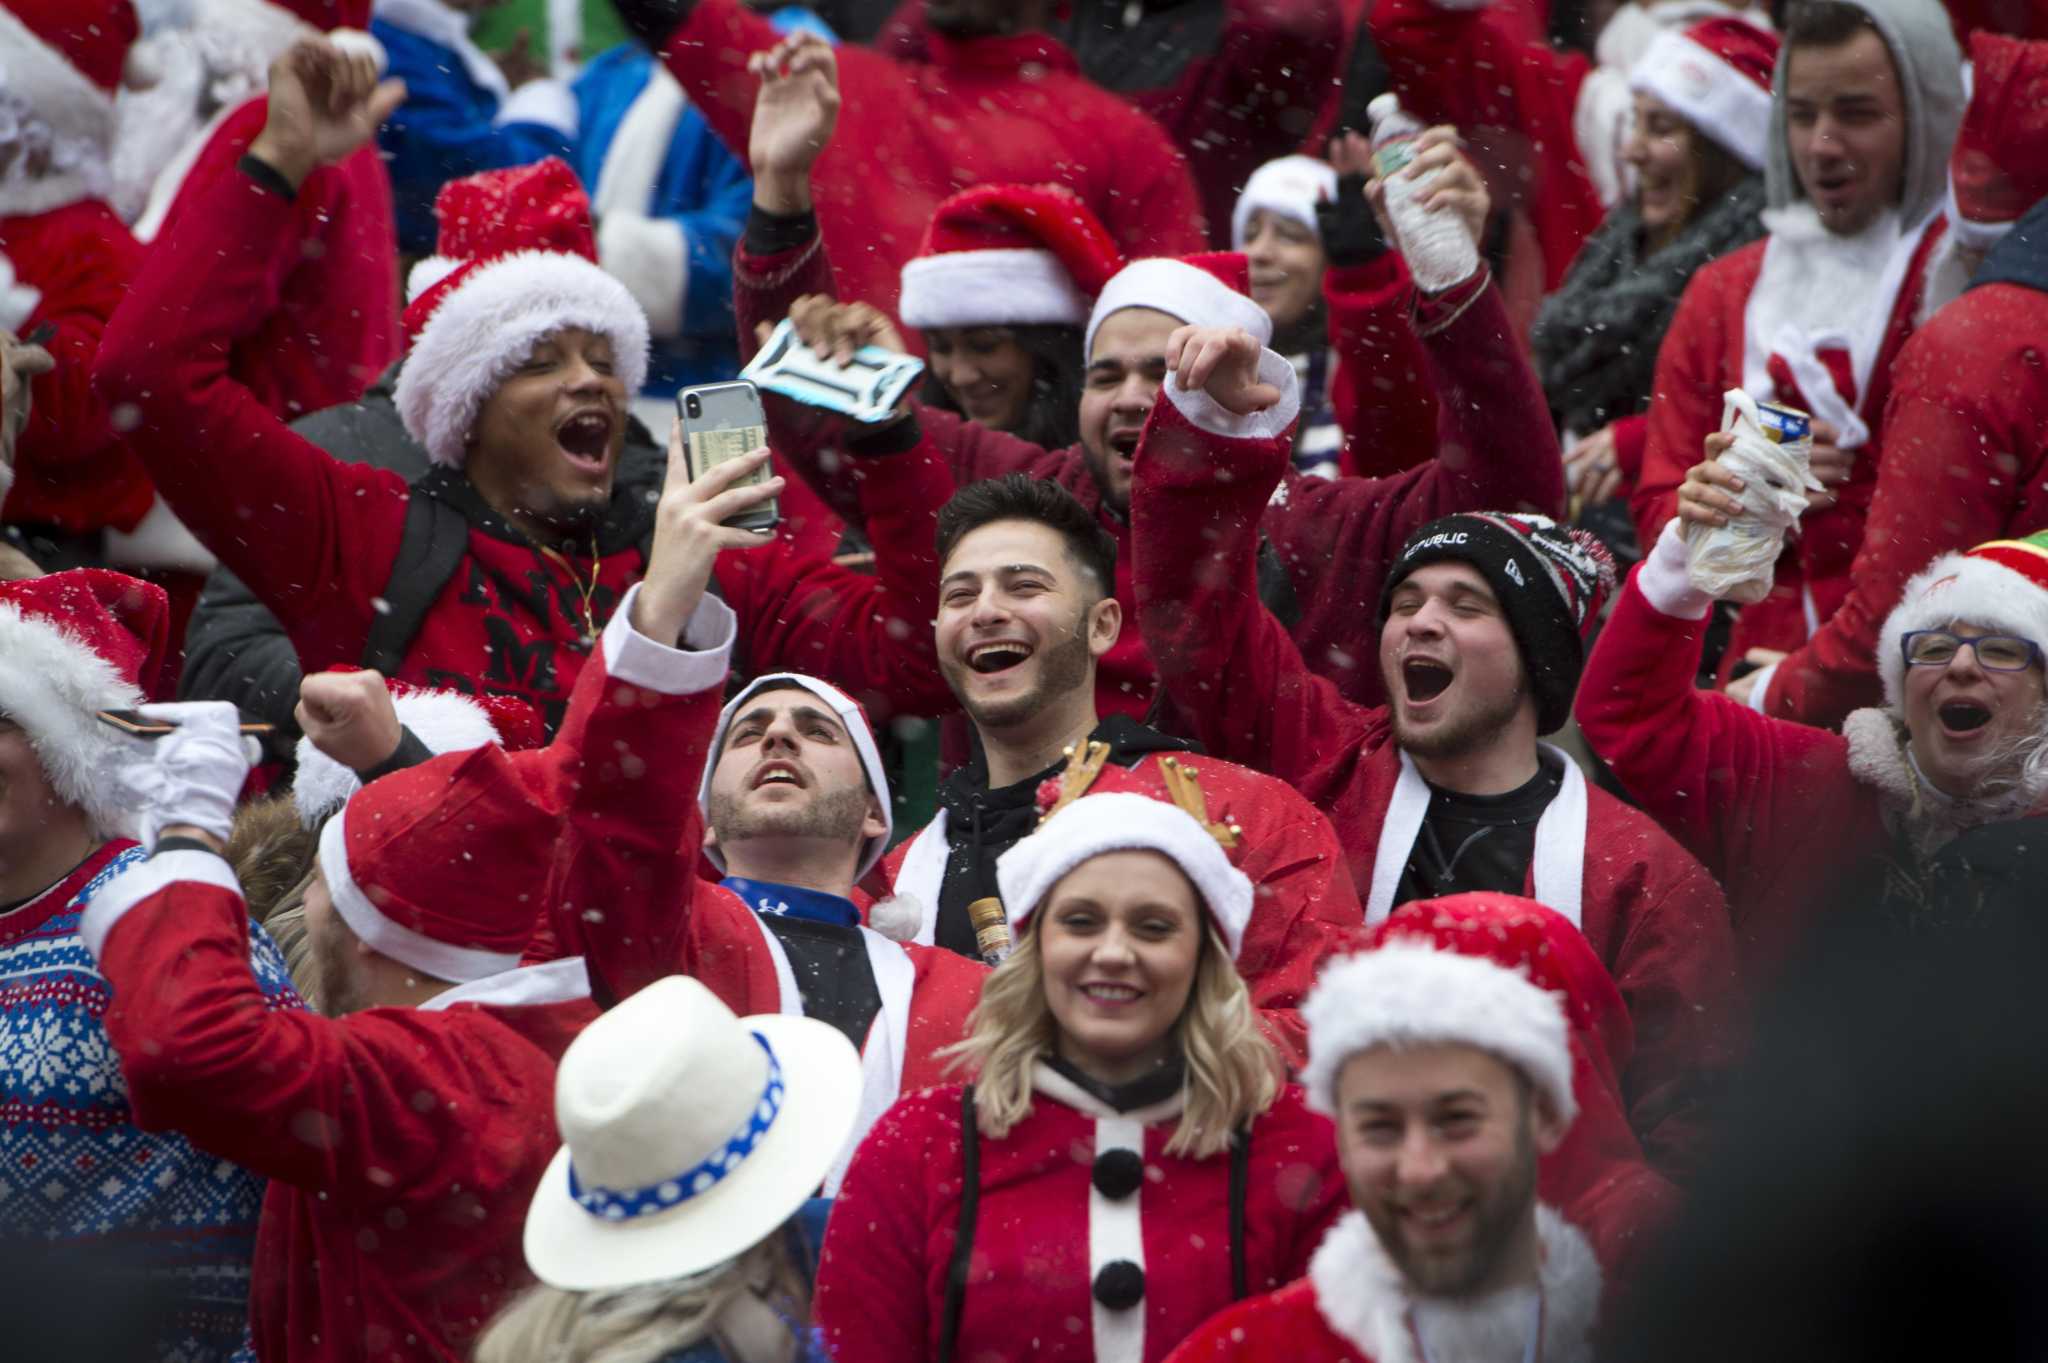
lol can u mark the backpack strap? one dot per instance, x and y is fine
(435, 538)
(1240, 1183)
(963, 1235)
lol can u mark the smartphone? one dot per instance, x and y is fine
(138, 725)
(723, 421)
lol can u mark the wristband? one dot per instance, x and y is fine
(770, 234)
(267, 177)
(410, 752)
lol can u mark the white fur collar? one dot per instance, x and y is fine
(1364, 1298)
(1881, 758)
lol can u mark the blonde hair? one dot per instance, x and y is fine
(1232, 1072)
(649, 1321)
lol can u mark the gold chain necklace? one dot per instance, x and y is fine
(587, 592)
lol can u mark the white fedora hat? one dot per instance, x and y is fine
(689, 1135)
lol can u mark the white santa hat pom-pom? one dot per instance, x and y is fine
(898, 917)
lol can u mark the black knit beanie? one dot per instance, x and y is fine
(1550, 580)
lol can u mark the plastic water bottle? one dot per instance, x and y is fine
(1440, 252)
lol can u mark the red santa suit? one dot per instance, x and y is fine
(1494, 410)
(69, 260)
(1815, 320)
(1780, 812)
(1233, 82)
(627, 894)
(336, 325)
(1967, 420)
(1652, 914)
(992, 110)
(318, 539)
(1356, 1307)
(402, 1144)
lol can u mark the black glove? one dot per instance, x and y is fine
(1351, 233)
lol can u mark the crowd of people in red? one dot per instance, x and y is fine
(1452, 551)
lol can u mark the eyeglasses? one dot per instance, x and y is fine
(1997, 652)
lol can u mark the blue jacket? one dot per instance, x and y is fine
(680, 245)
(449, 127)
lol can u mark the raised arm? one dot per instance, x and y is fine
(623, 889)
(313, 538)
(1201, 481)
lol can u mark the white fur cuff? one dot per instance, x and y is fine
(1206, 414)
(1665, 582)
(143, 879)
(546, 102)
(708, 635)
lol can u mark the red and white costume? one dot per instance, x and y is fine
(1778, 811)
(628, 895)
(316, 539)
(1814, 320)
(1355, 1307)
(1495, 416)
(402, 1144)
(1043, 1231)
(991, 110)
(67, 257)
(1653, 915)
(1968, 413)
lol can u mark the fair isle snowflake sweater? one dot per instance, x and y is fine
(74, 1169)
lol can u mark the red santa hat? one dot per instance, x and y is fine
(432, 866)
(1123, 821)
(1717, 76)
(446, 721)
(64, 61)
(516, 262)
(1209, 289)
(73, 644)
(1413, 990)
(851, 716)
(1289, 187)
(1999, 168)
(1008, 255)
(2001, 585)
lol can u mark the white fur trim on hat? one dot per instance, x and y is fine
(1409, 993)
(856, 725)
(1181, 290)
(1007, 287)
(1290, 186)
(52, 684)
(490, 321)
(1707, 92)
(442, 960)
(446, 721)
(1959, 589)
(1122, 821)
(45, 86)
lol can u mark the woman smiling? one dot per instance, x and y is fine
(1127, 1160)
(1702, 112)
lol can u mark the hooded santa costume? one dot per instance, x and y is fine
(1813, 320)
(1076, 1235)
(402, 1143)
(1968, 415)
(427, 579)
(1010, 109)
(628, 896)
(1356, 1305)
(333, 327)
(1653, 915)
(85, 1173)
(1494, 415)
(1781, 812)
(69, 256)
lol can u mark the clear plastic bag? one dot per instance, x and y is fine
(1737, 562)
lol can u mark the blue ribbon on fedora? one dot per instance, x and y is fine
(623, 1204)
